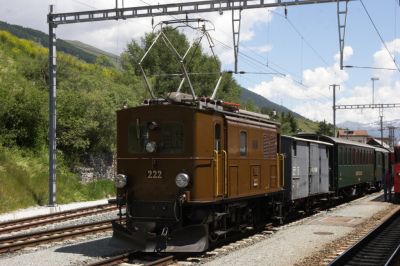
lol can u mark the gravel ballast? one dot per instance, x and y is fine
(290, 245)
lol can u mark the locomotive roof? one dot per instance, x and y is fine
(307, 140)
(225, 108)
(334, 140)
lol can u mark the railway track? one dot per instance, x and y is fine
(18, 242)
(380, 247)
(142, 258)
(32, 222)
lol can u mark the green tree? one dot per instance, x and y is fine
(324, 128)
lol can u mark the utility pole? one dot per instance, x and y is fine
(334, 108)
(373, 79)
(52, 113)
(391, 136)
(381, 120)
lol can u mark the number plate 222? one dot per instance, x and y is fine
(154, 174)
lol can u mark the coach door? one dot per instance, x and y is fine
(220, 160)
(314, 168)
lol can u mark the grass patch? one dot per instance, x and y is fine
(24, 181)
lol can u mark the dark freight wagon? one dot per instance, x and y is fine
(307, 168)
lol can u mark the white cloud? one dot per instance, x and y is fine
(314, 85)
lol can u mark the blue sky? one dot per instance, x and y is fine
(269, 37)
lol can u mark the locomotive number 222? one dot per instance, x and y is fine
(154, 174)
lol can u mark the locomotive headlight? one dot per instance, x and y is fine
(182, 180)
(120, 180)
(151, 146)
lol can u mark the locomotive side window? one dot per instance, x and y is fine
(217, 137)
(243, 143)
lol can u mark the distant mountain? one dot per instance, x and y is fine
(304, 124)
(82, 51)
(114, 59)
(260, 101)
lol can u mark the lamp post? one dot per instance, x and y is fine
(373, 79)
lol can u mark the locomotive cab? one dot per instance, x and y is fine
(157, 155)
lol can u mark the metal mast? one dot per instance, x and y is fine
(179, 8)
(342, 19)
(334, 108)
(236, 21)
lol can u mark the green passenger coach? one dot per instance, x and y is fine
(352, 164)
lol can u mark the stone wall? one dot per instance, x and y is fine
(95, 167)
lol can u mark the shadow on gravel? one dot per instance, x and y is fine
(95, 248)
(379, 198)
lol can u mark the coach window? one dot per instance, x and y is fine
(217, 136)
(243, 143)
(348, 157)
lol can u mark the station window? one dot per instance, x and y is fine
(243, 143)
(217, 136)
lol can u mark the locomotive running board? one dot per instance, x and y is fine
(193, 238)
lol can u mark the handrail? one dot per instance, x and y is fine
(281, 176)
(225, 172)
(283, 169)
(278, 172)
(216, 172)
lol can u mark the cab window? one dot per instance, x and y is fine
(243, 143)
(217, 137)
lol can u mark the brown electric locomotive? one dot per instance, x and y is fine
(193, 171)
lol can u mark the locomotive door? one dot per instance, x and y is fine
(314, 169)
(220, 160)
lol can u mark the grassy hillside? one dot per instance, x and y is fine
(87, 97)
(43, 39)
(24, 181)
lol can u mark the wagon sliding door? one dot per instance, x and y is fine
(314, 168)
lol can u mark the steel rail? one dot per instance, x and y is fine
(380, 247)
(13, 243)
(26, 223)
(126, 257)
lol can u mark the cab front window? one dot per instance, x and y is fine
(153, 137)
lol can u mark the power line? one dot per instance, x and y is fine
(380, 36)
(302, 36)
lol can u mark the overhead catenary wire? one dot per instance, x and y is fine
(380, 36)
